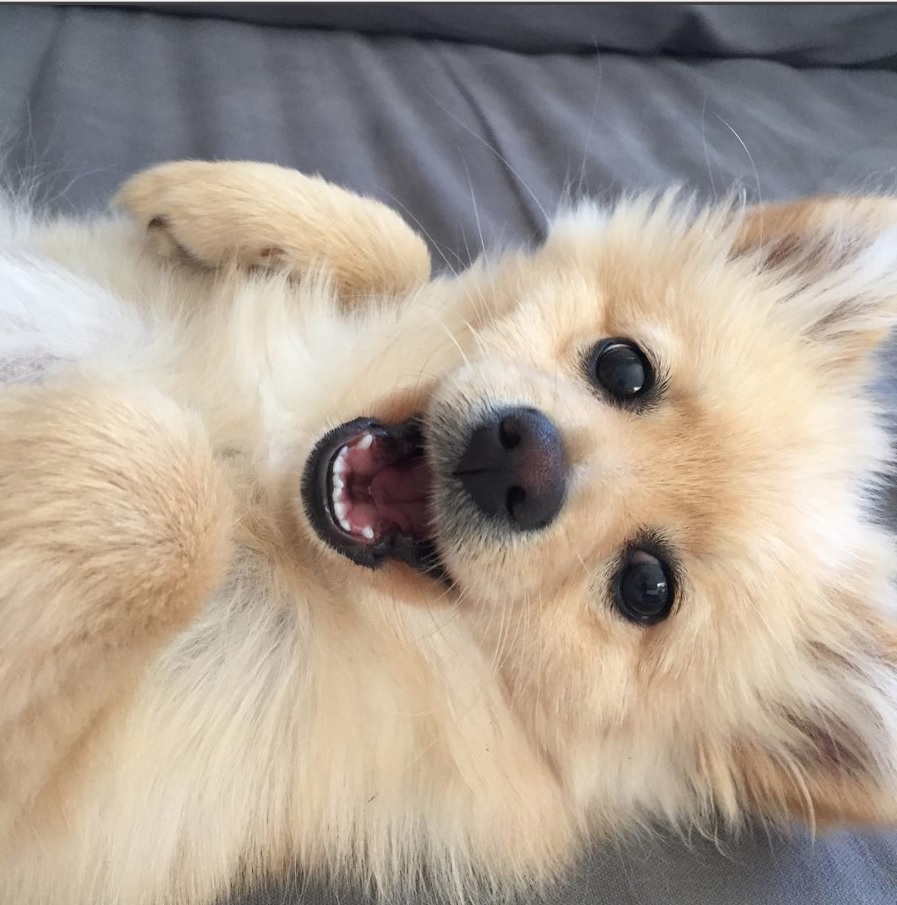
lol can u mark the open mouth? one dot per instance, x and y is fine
(367, 489)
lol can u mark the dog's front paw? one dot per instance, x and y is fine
(261, 215)
(203, 212)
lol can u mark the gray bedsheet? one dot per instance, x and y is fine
(477, 143)
(472, 141)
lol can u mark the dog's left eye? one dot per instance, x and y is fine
(643, 590)
(620, 369)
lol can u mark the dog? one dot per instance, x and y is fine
(312, 558)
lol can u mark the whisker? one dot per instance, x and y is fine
(451, 335)
(428, 235)
(476, 336)
(592, 120)
(476, 213)
(706, 148)
(746, 151)
(520, 181)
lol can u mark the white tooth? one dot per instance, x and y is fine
(340, 509)
(339, 466)
(365, 442)
(346, 526)
(368, 532)
(338, 483)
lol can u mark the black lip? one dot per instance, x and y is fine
(407, 437)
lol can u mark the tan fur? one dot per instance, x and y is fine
(267, 216)
(376, 725)
(114, 530)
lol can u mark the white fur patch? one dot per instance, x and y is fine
(50, 317)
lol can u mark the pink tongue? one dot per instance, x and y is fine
(400, 492)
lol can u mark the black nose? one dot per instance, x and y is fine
(515, 469)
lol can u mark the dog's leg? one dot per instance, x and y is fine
(114, 530)
(261, 215)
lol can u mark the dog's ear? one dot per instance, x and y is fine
(830, 755)
(835, 260)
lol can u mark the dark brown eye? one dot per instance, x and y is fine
(643, 590)
(620, 369)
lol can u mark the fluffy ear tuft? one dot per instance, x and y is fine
(828, 781)
(833, 758)
(836, 261)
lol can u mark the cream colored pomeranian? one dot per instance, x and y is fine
(310, 559)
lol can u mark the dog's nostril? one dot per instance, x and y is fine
(514, 500)
(514, 468)
(509, 432)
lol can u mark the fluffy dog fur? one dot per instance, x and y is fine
(196, 691)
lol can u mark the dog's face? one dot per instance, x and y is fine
(645, 490)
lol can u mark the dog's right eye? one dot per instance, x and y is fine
(619, 368)
(643, 591)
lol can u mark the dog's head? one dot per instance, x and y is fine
(646, 486)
